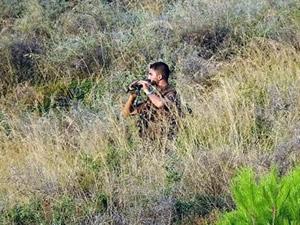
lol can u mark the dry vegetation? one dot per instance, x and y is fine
(66, 157)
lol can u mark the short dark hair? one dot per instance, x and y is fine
(162, 68)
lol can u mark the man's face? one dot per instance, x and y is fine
(154, 76)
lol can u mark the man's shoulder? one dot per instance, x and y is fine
(169, 91)
(171, 95)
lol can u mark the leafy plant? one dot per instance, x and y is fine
(30, 213)
(64, 211)
(272, 200)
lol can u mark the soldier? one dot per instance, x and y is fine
(158, 114)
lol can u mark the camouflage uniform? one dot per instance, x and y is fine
(154, 123)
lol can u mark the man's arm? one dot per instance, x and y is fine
(128, 109)
(161, 101)
(156, 100)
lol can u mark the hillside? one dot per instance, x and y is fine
(66, 155)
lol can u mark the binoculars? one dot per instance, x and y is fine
(135, 88)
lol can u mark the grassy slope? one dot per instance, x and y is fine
(63, 70)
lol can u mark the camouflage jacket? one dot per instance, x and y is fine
(154, 121)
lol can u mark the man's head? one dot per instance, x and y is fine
(158, 72)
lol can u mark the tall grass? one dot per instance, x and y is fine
(66, 155)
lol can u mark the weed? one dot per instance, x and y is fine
(30, 213)
(64, 211)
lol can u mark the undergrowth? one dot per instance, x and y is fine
(68, 157)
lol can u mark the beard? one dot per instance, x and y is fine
(153, 83)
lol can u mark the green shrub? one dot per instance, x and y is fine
(64, 211)
(62, 94)
(271, 200)
(11, 8)
(30, 213)
(33, 21)
(4, 124)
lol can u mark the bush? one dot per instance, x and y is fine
(64, 211)
(11, 8)
(272, 200)
(30, 213)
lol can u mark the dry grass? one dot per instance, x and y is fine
(88, 163)
(81, 153)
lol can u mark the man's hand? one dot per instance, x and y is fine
(132, 84)
(132, 88)
(145, 85)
